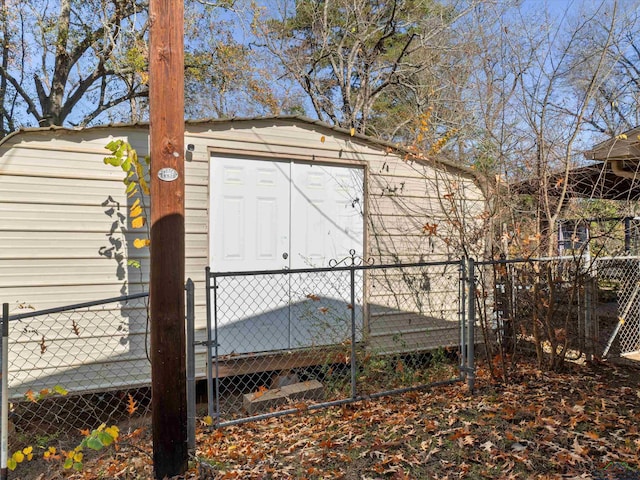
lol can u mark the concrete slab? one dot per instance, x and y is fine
(264, 400)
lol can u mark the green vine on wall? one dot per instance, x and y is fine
(136, 182)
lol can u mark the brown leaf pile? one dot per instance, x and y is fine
(580, 424)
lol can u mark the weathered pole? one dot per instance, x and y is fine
(166, 290)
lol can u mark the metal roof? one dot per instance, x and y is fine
(408, 153)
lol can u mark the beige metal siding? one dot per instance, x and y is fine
(419, 212)
(58, 203)
(402, 197)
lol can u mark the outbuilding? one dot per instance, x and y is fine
(261, 194)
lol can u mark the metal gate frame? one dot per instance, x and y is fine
(465, 318)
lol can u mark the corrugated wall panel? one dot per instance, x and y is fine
(56, 199)
(62, 191)
(412, 218)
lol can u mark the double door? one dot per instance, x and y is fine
(272, 215)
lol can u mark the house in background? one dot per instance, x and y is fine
(261, 194)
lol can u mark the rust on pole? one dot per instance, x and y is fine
(166, 290)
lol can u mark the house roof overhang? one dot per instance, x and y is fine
(614, 175)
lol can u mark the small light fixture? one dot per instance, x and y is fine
(189, 153)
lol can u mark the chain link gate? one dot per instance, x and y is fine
(291, 340)
(621, 275)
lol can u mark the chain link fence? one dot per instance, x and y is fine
(618, 279)
(570, 307)
(281, 341)
(75, 367)
(538, 303)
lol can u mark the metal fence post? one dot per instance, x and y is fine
(4, 440)
(462, 306)
(209, 342)
(352, 272)
(588, 305)
(471, 373)
(191, 366)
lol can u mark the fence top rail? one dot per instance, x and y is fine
(504, 261)
(609, 259)
(76, 306)
(290, 271)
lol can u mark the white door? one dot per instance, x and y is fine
(249, 230)
(275, 215)
(327, 223)
(326, 214)
(250, 215)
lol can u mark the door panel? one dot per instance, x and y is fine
(250, 231)
(250, 213)
(326, 214)
(327, 223)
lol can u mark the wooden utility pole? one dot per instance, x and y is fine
(166, 291)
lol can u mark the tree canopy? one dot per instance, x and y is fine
(68, 62)
(463, 77)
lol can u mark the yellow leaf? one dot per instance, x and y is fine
(18, 457)
(138, 222)
(141, 242)
(322, 139)
(136, 211)
(113, 431)
(60, 390)
(27, 450)
(207, 420)
(353, 131)
(135, 204)
(144, 186)
(77, 457)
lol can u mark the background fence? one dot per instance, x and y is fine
(619, 279)
(538, 303)
(574, 307)
(308, 338)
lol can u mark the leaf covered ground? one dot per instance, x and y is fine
(583, 423)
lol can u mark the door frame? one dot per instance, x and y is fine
(332, 161)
